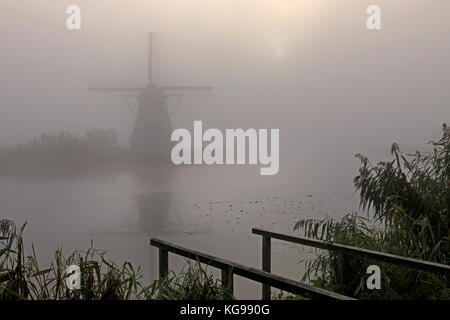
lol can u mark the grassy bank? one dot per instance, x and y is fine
(407, 205)
(23, 278)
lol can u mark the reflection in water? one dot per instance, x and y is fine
(154, 197)
(153, 211)
(154, 202)
(121, 211)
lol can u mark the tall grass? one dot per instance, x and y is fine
(408, 202)
(193, 283)
(22, 277)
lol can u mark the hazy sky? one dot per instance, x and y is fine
(308, 67)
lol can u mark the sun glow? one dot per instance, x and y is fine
(289, 8)
(287, 22)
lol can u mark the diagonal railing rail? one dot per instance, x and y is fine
(230, 268)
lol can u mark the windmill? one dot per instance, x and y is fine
(152, 128)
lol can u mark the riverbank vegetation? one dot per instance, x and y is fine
(407, 202)
(63, 150)
(193, 283)
(23, 278)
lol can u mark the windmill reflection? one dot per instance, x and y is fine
(153, 211)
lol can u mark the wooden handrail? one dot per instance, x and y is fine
(357, 252)
(229, 268)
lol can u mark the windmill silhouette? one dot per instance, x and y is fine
(152, 128)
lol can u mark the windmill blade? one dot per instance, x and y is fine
(124, 98)
(176, 105)
(187, 88)
(114, 89)
(150, 57)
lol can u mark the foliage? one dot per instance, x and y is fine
(283, 295)
(409, 200)
(62, 149)
(411, 197)
(193, 283)
(21, 278)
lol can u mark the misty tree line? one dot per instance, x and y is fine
(62, 148)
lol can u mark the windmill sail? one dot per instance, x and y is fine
(150, 58)
(102, 89)
(153, 128)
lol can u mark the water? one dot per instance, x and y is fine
(210, 209)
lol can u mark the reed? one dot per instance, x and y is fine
(193, 283)
(22, 277)
(407, 202)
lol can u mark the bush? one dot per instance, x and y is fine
(408, 200)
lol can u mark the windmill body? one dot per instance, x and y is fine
(153, 128)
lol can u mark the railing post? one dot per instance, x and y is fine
(342, 269)
(266, 265)
(230, 268)
(227, 279)
(163, 263)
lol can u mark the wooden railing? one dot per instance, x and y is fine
(269, 280)
(343, 251)
(230, 268)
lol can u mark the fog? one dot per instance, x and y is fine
(310, 68)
